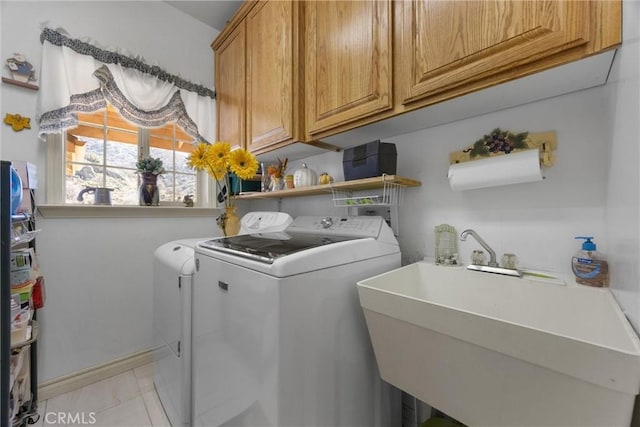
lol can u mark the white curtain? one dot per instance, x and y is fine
(79, 77)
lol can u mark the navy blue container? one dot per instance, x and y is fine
(241, 186)
(369, 160)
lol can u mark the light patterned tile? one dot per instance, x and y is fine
(144, 376)
(98, 396)
(131, 413)
(155, 410)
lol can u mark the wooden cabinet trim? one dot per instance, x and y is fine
(527, 32)
(235, 20)
(284, 125)
(380, 91)
(256, 106)
(492, 61)
(238, 35)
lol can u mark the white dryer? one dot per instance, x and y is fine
(279, 335)
(173, 271)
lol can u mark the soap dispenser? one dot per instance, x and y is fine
(590, 266)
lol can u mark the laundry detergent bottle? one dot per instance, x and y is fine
(590, 266)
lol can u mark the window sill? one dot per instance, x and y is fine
(96, 211)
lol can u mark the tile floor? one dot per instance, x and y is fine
(128, 399)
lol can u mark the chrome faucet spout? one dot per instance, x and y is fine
(492, 254)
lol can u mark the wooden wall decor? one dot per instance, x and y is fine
(503, 142)
(23, 74)
(21, 69)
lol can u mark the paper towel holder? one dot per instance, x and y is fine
(502, 158)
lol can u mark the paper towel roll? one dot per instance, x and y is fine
(513, 168)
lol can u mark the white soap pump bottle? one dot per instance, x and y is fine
(590, 266)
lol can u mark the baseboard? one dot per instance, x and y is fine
(79, 379)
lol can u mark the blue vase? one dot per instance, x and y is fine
(149, 194)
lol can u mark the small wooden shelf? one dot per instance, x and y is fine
(355, 185)
(19, 83)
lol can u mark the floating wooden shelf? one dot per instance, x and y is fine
(355, 185)
(19, 83)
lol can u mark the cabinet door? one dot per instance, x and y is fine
(348, 61)
(270, 81)
(448, 44)
(230, 88)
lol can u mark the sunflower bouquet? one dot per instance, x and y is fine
(219, 161)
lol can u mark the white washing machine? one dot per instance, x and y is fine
(279, 335)
(173, 271)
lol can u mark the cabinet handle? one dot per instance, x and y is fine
(222, 285)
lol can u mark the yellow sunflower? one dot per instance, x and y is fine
(243, 163)
(220, 152)
(217, 170)
(200, 157)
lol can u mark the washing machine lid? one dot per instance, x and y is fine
(268, 247)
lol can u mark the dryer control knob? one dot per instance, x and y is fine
(326, 222)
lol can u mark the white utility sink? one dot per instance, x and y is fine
(495, 350)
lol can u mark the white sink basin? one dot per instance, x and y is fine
(497, 350)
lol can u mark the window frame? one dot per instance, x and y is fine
(55, 189)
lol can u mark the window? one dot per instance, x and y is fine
(93, 153)
(102, 152)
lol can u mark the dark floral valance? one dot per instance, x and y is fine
(77, 76)
(58, 39)
(65, 118)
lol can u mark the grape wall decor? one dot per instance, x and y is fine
(500, 142)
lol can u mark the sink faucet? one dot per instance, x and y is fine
(492, 254)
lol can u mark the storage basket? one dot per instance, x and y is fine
(391, 196)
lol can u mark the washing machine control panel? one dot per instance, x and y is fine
(265, 222)
(360, 226)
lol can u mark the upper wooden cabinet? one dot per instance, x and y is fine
(447, 48)
(348, 54)
(268, 88)
(230, 70)
(274, 85)
(289, 71)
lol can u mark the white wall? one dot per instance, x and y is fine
(537, 221)
(98, 271)
(98, 276)
(623, 190)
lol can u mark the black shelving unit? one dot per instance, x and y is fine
(28, 410)
(5, 290)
